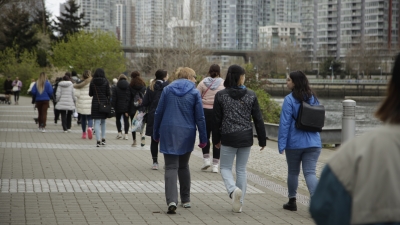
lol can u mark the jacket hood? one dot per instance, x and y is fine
(99, 81)
(123, 84)
(181, 87)
(82, 83)
(214, 82)
(159, 85)
(236, 93)
(65, 83)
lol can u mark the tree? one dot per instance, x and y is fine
(17, 31)
(325, 67)
(69, 23)
(90, 50)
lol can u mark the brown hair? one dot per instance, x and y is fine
(214, 71)
(160, 75)
(301, 90)
(185, 73)
(136, 80)
(389, 111)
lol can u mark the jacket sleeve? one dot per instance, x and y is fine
(158, 115)
(58, 94)
(259, 123)
(284, 124)
(146, 99)
(200, 87)
(114, 98)
(49, 89)
(91, 89)
(108, 89)
(218, 114)
(34, 90)
(331, 203)
(200, 119)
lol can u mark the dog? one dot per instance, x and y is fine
(3, 100)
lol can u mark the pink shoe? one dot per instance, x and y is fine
(84, 135)
(89, 132)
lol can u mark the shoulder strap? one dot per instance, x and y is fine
(208, 89)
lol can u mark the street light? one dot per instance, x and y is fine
(331, 68)
(287, 69)
(381, 72)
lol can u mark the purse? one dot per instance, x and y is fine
(103, 107)
(310, 117)
(15, 88)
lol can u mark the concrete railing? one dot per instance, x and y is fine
(328, 135)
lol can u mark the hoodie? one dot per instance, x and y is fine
(65, 97)
(234, 108)
(208, 87)
(121, 97)
(179, 109)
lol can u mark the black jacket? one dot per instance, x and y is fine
(134, 90)
(99, 84)
(233, 109)
(150, 101)
(8, 85)
(121, 97)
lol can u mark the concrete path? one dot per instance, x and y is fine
(59, 178)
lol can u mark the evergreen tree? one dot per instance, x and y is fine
(43, 23)
(69, 23)
(16, 30)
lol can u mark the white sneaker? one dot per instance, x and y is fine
(119, 136)
(43, 130)
(215, 168)
(236, 205)
(126, 137)
(69, 130)
(207, 163)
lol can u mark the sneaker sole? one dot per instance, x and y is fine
(237, 194)
(171, 209)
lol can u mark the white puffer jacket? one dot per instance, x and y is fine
(65, 96)
(83, 100)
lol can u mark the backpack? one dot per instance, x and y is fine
(310, 117)
(138, 99)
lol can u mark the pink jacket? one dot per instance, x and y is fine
(208, 95)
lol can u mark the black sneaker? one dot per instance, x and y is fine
(171, 208)
(98, 144)
(103, 142)
(291, 205)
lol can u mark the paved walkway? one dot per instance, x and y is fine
(59, 178)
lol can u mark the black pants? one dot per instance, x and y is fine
(154, 149)
(56, 113)
(16, 96)
(66, 118)
(133, 133)
(177, 166)
(209, 116)
(118, 122)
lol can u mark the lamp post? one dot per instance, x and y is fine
(331, 68)
(287, 74)
(381, 72)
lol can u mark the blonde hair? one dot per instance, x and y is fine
(41, 82)
(185, 73)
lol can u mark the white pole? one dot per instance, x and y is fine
(348, 120)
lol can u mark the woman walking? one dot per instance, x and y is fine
(121, 96)
(233, 108)
(301, 147)
(65, 102)
(42, 90)
(17, 84)
(137, 88)
(99, 89)
(208, 87)
(179, 110)
(84, 103)
(150, 101)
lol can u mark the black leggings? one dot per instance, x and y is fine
(16, 96)
(209, 115)
(118, 122)
(133, 133)
(154, 149)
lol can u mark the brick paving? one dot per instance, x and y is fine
(59, 178)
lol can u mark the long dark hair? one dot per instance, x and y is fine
(233, 76)
(389, 111)
(301, 90)
(214, 70)
(99, 73)
(160, 74)
(136, 80)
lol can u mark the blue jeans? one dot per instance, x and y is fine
(226, 161)
(308, 158)
(97, 124)
(89, 120)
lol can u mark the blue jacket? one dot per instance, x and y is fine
(289, 136)
(46, 94)
(178, 112)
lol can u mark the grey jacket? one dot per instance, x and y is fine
(65, 99)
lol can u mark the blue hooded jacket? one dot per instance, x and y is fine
(45, 95)
(289, 136)
(178, 112)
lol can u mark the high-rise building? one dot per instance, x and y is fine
(124, 21)
(100, 13)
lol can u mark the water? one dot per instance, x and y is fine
(365, 119)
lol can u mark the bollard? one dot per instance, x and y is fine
(348, 120)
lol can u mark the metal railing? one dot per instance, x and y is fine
(335, 81)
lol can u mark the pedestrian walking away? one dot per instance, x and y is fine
(17, 85)
(54, 97)
(360, 183)
(121, 96)
(150, 102)
(84, 104)
(137, 89)
(208, 87)
(65, 99)
(300, 147)
(42, 90)
(99, 89)
(233, 132)
(179, 109)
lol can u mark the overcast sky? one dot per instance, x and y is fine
(53, 6)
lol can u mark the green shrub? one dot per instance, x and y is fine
(269, 108)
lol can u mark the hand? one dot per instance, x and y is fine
(126, 114)
(218, 145)
(202, 145)
(156, 140)
(282, 153)
(262, 148)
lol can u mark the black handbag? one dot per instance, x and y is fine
(103, 107)
(310, 117)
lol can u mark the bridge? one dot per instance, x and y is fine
(230, 52)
